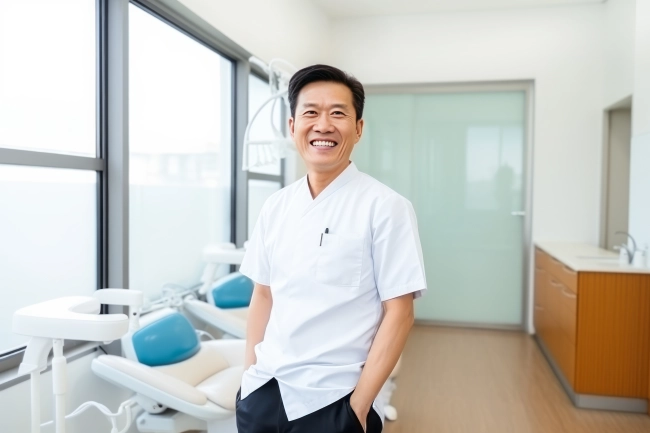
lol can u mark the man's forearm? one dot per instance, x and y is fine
(384, 353)
(259, 312)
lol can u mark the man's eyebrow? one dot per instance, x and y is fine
(315, 105)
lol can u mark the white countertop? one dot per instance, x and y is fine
(588, 258)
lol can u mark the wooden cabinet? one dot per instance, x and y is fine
(596, 326)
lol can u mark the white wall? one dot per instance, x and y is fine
(619, 29)
(294, 30)
(640, 159)
(641, 110)
(560, 48)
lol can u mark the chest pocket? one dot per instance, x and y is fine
(339, 260)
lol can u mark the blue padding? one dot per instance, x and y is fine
(232, 291)
(166, 341)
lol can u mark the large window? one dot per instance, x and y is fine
(109, 129)
(180, 97)
(49, 165)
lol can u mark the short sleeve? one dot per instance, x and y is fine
(255, 264)
(396, 250)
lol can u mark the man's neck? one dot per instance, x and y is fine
(319, 180)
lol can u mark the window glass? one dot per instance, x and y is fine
(180, 97)
(48, 228)
(47, 76)
(258, 192)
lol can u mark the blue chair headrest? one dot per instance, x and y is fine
(233, 291)
(168, 340)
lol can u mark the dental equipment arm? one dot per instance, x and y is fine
(384, 353)
(276, 147)
(258, 317)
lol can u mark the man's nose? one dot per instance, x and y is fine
(323, 124)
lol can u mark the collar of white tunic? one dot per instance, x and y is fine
(346, 176)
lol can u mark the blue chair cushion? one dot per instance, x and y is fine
(233, 291)
(168, 340)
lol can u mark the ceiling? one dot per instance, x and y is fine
(355, 8)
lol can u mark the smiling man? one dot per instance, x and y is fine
(337, 263)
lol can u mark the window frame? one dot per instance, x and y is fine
(112, 140)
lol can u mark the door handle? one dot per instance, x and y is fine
(568, 295)
(518, 213)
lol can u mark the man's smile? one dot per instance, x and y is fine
(323, 143)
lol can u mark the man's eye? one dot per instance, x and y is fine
(338, 113)
(310, 112)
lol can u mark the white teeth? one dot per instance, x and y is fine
(324, 143)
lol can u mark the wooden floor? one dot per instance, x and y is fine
(473, 381)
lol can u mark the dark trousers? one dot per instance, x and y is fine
(263, 412)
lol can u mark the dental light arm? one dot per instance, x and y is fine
(276, 147)
(74, 318)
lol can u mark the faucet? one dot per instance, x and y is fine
(630, 253)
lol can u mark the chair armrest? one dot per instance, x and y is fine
(233, 350)
(139, 378)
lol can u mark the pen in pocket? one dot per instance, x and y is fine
(321, 236)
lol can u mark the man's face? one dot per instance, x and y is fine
(325, 128)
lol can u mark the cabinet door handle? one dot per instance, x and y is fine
(568, 270)
(555, 283)
(568, 295)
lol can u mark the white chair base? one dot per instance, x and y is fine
(223, 426)
(172, 421)
(169, 422)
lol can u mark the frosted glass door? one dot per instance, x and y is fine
(459, 158)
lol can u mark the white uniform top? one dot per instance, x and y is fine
(327, 298)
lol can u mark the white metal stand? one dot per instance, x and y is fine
(75, 318)
(59, 384)
(36, 401)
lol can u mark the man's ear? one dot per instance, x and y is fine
(292, 124)
(360, 124)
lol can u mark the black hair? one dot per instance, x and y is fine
(315, 73)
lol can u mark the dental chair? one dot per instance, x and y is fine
(181, 383)
(226, 306)
(228, 297)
